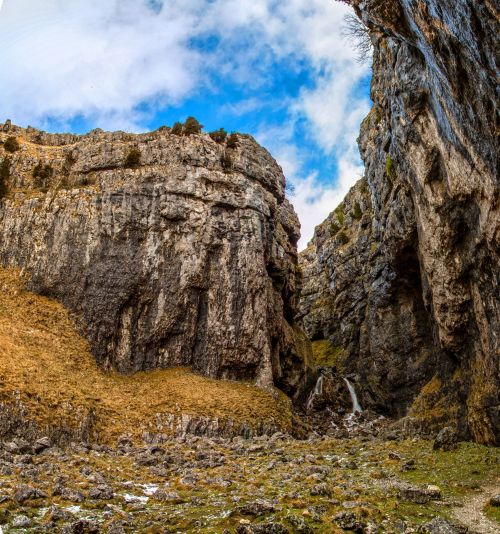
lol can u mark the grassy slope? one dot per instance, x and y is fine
(43, 357)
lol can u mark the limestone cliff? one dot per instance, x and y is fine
(170, 250)
(402, 280)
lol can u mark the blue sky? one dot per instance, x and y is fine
(279, 70)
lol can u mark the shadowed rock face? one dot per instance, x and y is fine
(412, 297)
(184, 259)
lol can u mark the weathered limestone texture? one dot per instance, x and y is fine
(410, 293)
(187, 257)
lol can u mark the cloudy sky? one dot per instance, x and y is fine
(278, 69)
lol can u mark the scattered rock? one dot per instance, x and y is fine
(419, 495)
(72, 495)
(257, 508)
(81, 526)
(101, 492)
(116, 527)
(41, 444)
(21, 521)
(442, 526)
(446, 439)
(495, 500)
(321, 489)
(349, 521)
(27, 493)
(262, 528)
(166, 496)
(54, 513)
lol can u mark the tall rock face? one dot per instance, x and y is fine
(182, 255)
(406, 291)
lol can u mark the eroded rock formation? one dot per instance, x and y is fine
(402, 280)
(185, 256)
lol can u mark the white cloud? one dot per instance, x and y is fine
(92, 58)
(102, 59)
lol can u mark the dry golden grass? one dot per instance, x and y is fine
(43, 357)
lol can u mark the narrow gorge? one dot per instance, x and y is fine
(400, 283)
(169, 361)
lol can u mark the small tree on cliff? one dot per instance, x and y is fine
(192, 126)
(42, 173)
(358, 34)
(219, 136)
(177, 129)
(232, 141)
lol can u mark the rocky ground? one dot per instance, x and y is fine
(268, 484)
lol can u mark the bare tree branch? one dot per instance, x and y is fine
(357, 33)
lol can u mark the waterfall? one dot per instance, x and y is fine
(318, 390)
(356, 408)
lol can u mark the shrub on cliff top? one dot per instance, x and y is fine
(177, 129)
(219, 136)
(192, 126)
(358, 34)
(133, 158)
(11, 144)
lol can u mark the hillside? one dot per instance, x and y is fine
(50, 379)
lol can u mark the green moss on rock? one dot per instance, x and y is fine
(325, 353)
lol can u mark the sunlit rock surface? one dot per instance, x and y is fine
(186, 258)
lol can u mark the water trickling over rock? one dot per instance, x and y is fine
(356, 407)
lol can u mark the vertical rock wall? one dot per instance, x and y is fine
(187, 258)
(411, 300)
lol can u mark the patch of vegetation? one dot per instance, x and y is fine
(389, 169)
(342, 238)
(133, 158)
(219, 136)
(11, 144)
(42, 173)
(356, 212)
(325, 353)
(364, 186)
(192, 126)
(232, 141)
(177, 129)
(335, 228)
(493, 512)
(4, 176)
(339, 212)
